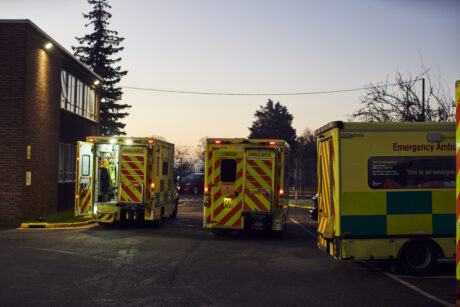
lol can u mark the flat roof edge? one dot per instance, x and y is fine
(33, 25)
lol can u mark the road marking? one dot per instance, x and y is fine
(426, 277)
(303, 227)
(51, 250)
(409, 285)
(394, 277)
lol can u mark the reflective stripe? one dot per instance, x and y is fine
(259, 184)
(132, 177)
(85, 199)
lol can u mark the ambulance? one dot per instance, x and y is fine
(122, 179)
(245, 180)
(387, 191)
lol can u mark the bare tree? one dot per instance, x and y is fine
(201, 149)
(304, 172)
(405, 101)
(182, 164)
(158, 137)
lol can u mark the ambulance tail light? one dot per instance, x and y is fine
(206, 190)
(91, 140)
(151, 142)
(281, 191)
(217, 142)
(76, 196)
(152, 186)
(272, 143)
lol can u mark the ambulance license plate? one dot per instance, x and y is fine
(228, 202)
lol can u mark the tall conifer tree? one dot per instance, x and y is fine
(273, 121)
(96, 50)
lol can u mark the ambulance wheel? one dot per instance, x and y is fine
(195, 190)
(418, 257)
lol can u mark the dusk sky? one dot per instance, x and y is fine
(257, 47)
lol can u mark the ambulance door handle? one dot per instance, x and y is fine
(236, 194)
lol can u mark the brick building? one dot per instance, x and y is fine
(48, 101)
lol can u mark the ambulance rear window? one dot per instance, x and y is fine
(228, 170)
(85, 165)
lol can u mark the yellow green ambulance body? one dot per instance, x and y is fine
(125, 179)
(387, 191)
(244, 184)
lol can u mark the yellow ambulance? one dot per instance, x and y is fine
(125, 179)
(245, 180)
(387, 191)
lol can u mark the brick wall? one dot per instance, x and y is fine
(41, 125)
(12, 146)
(30, 115)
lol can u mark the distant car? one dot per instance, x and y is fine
(314, 207)
(193, 183)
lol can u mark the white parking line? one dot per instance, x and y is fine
(409, 285)
(427, 277)
(394, 277)
(303, 227)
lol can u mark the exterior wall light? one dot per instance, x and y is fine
(96, 82)
(48, 45)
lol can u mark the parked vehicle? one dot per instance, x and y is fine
(244, 184)
(387, 191)
(192, 183)
(123, 178)
(314, 207)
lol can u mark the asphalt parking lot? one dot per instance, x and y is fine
(179, 263)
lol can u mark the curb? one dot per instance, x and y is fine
(55, 225)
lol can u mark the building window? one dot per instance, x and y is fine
(71, 93)
(64, 96)
(66, 163)
(77, 97)
(86, 94)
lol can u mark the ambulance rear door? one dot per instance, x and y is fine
(85, 179)
(133, 174)
(259, 180)
(227, 186)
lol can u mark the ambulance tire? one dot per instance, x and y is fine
(418, 257)
(174, 214)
